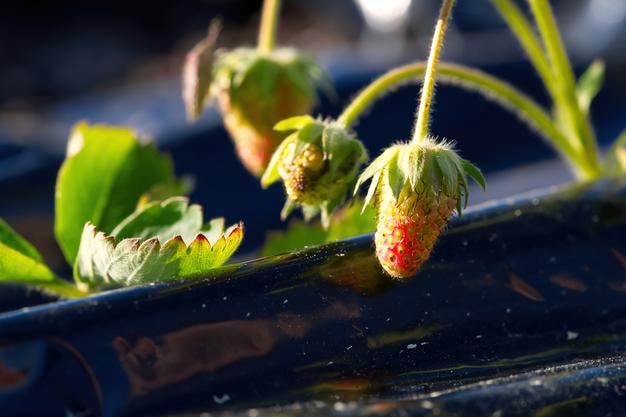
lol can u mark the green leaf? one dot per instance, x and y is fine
(134, 252)
(159, 192)
(590, 84)
(21, 263)
(615, 160)
(475, 173)
(172, 217)
(13, 240)
(352, 221)
(288, 208)
(345, 223)
(293, 123)
(105, 173)
(298, 236)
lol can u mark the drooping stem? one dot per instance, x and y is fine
(269, 24)
(489, 87)
(378, 88)
(565, 81)
(423, 112)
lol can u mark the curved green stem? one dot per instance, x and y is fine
(423, 112)
(378, 88)
(565, 81)
(269, 24)
(489, 87)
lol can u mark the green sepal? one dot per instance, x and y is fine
(449, 173)
(376, 166)
(272, 174)
(371, 191)
(396, 177)
(293, 123)
(338, 147)
(310, 211)
(311, 133)
(289, 206)
(475, 173)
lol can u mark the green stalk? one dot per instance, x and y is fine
(269, 24)
(489, 87)
(423, 112)
(565, 81)
(61, 287)
(522, 29)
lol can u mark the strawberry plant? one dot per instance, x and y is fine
(109, 225)
(121, 217)
(416, 186)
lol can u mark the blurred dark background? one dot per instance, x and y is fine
(119, 63)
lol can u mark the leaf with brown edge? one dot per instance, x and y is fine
(164, 241)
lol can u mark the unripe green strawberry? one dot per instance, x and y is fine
(317, 163)
(302, 174)
(254, 91)
(418, 188)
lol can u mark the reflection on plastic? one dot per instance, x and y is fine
(178, 355)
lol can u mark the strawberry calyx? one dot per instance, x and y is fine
(317, 163)
(429, 169)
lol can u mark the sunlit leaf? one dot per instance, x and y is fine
(13, 240)
(162, 241)
(345, 223)
(21, 263)
(105, 173)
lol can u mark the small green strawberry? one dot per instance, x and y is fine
(254, 90)
(416, 188)
(318, 163)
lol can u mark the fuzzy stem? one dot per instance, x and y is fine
(423, 112)
(489, 87)
(565, 81)
(269, 23)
